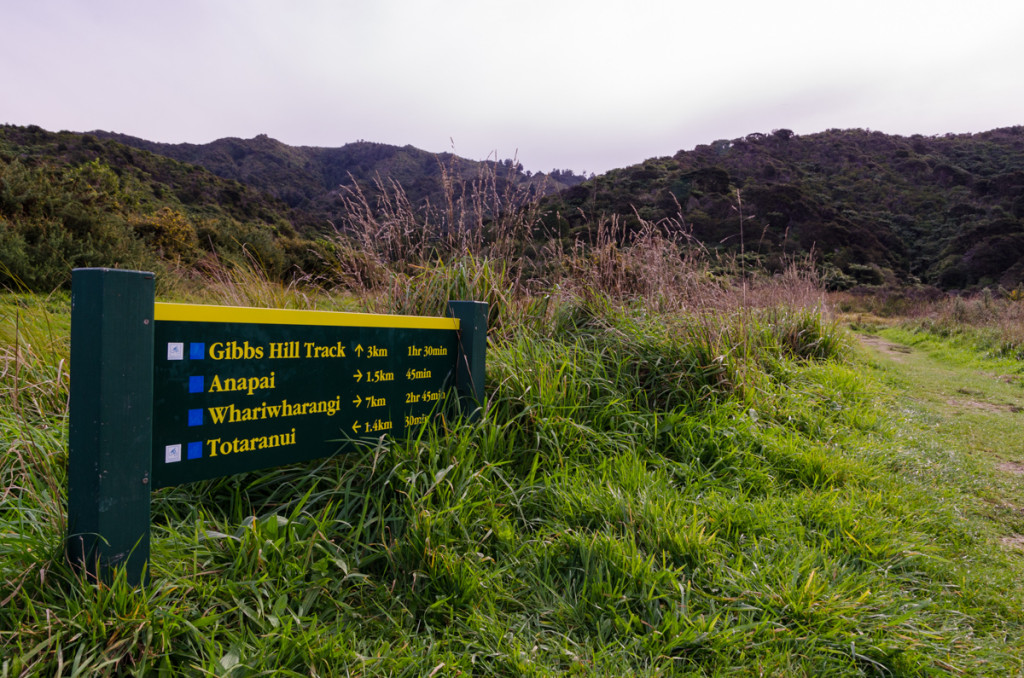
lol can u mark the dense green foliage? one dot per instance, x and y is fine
(875, 208)
(316, 179)
(70, 200)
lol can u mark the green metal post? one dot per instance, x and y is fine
(471, 365)
(111, 410)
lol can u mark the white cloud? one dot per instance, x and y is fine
(566, 82)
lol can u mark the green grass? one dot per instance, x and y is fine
(645, 494)
(964, 417)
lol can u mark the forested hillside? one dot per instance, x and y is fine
(875, 208)
(310, 177)
(70, 200)
(872, 208)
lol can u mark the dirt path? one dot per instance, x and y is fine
(967, 410)
(931, 376)
(893, 351)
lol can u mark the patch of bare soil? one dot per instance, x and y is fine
(1013, 467)
(978, 405)
(1014, 542)
(895, 351)
(1012, 379)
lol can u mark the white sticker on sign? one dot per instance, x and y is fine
(172, 453)
(175, 351)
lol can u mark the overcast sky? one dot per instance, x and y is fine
(586, 85)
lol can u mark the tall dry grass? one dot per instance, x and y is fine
(488, 216)
(487, 241)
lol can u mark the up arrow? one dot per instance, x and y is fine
(355, 427)
(358, 401)
(359, 350)
(358, 375)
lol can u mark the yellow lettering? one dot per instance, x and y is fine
(236, 445)
(248, 384)
(233, 351)
(314, 351)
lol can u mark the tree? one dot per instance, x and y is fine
(169, 233)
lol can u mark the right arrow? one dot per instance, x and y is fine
(358, 375)
(358, 401)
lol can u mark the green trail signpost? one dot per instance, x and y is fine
(165, 394)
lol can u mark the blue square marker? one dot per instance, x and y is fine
(195, 450)
(195, 417)
(195, 384)
(196, 350)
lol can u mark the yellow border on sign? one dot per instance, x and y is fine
(198, 313)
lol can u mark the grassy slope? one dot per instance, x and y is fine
(964, 417)
(646, 495)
